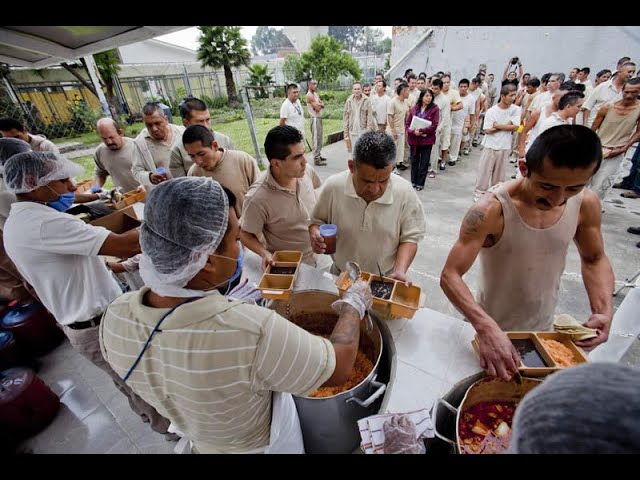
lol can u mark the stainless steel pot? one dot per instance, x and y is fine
(468, 392)
(329, 425)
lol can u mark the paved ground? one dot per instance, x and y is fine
(446, 200)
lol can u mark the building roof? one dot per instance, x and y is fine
(41, 46)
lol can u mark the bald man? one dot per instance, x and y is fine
(114, 156)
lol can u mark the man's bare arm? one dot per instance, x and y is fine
(483, 221)
(599, 118)
(597, 273)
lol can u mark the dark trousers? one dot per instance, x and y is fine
(420, 160)
(632, 181)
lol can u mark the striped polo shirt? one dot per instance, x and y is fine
(212, 365)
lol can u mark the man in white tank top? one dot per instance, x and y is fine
(521, 231)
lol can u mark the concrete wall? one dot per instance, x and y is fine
(461, 49)
(301, 36)
(155, 51)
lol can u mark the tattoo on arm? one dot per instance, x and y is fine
(346, 330)
(472, 220)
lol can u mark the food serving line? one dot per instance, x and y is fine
(431, 356)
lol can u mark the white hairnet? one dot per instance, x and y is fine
(27, 171)
(185, 220)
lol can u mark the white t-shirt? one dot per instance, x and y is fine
(58, 255)
(501, 139)
(551, 121)
(293, 114)
(379, 105)
(457, 117)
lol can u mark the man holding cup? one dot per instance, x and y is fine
(378, 216)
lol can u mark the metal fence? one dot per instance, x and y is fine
(68, 109)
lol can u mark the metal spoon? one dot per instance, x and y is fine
(354, 272)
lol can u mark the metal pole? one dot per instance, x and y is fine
(252, 130)
(91, 67)
(187, 85)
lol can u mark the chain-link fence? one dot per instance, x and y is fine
(66, 108)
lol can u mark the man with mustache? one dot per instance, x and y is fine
(521, 231)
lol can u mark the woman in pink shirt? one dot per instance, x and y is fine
(421, 140)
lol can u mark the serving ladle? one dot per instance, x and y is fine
(354, 272)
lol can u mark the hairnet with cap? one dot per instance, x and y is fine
(185, 220)
(589, 408)
(28, 171)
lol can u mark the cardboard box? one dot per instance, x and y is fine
(84, 186)
(119, 222)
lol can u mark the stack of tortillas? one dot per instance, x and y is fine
(565, 323)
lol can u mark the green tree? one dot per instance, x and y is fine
(326, 60)
(292, 69)
(371, 38)
(223, 47)
(349, 35)
(259, 76)
(385, 45)
(268, 40)
(108, 64)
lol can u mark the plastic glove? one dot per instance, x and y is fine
(132, 264)
(358, 296)
(400, 436)
(104, 195)
(96, 189)
(246, 291)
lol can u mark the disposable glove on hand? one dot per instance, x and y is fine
(358, 296)
(400, 436)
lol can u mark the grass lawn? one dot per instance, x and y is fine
(239, 131)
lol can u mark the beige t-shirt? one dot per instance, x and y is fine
(39, 143)
(603, 94)
(370, 233)
(117, 163)
(282, 215)
(444, 104)
(179, 160)
(212, 366)
(235, 170)
(398, 110)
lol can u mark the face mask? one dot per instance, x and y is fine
(234, 280)
(64, 201)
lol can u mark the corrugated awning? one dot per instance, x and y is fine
(42, 46)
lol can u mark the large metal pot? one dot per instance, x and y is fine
(466, 393)
(329, 425)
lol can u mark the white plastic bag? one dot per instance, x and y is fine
(286, 435)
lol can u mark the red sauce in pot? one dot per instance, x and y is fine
(486, 427)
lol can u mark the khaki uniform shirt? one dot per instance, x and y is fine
(179, 160)
(282, 215)
(370, 233)
(117, 163)
(213, 365)
(236, 170)
(39, 143)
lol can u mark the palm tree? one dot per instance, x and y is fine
(259, 76)
(223, 46)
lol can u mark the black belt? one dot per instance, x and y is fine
(94, 322)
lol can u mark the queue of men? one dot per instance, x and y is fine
(187, 353)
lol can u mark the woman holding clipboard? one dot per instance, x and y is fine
(421, 123)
